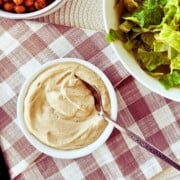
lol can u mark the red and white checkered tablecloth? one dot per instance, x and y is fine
(24, 46)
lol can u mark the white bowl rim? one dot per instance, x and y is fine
(33, 14)
(70, 154)
(130, 63)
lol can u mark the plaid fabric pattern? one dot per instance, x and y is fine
(24, 46)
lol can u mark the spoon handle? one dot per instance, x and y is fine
(146, 145)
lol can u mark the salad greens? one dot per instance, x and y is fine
(151, 30)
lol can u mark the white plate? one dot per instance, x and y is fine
(111, 21)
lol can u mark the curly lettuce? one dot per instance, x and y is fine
(151, 30)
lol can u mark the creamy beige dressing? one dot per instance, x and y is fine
(59, 109)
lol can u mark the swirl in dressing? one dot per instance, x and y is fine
(59, 108)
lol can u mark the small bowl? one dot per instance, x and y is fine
(111, 20)
(52, 7)
(67, 154)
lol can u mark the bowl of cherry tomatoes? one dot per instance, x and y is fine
(28, 9)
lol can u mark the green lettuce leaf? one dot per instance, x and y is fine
(153, 3)
(175, 63)
(160, 46)
(172, 14)
(152, 16)
(114, 35)
(170, 36)
(172, 53)
(151, 60)
(170, 80)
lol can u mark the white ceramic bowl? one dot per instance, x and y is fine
(55, 5)
(69, 153)
(111, 21)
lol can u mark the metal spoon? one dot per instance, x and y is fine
(146, 145)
